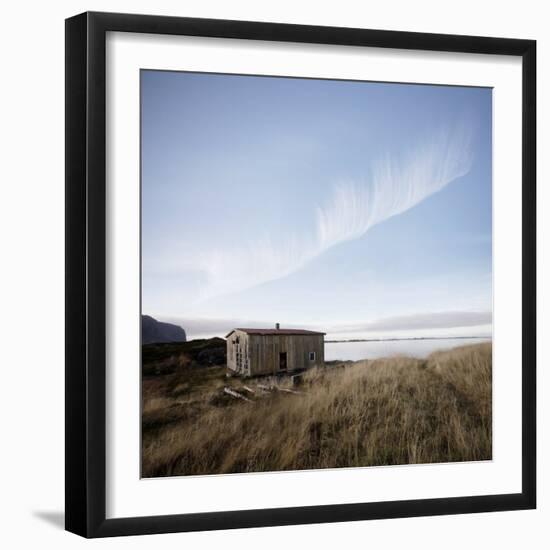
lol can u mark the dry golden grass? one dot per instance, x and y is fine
(389, 411)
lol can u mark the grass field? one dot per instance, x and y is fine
(382, 412)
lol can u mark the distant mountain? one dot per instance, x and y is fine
(155, 332)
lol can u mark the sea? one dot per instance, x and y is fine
(354, 351)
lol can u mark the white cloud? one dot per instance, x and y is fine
(442, 319)
(396, 185)
(442, 323)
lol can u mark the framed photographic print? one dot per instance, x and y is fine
(300, 274)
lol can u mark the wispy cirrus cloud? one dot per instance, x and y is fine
(396, 184)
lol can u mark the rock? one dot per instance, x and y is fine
(154, 332)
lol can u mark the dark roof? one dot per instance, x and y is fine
(280, 331)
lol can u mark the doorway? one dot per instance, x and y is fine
(282, 360)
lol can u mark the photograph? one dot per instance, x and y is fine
(316, 273)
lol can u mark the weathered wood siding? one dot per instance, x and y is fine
(265, 352)
(237, 352)
(254, 354)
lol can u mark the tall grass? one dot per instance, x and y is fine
(382, 412)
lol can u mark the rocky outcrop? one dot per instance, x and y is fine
(156, 332)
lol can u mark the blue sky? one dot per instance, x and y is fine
(360, 208)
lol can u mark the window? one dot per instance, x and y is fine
(312, 356)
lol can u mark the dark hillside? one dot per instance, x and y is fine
(153, 331)
(166, 358)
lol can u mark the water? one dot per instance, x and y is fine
(354, 351)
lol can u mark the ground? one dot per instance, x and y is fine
(390, 411)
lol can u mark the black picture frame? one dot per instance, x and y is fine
(86, 274)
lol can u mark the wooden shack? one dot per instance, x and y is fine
(260, 351)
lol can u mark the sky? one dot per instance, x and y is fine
(362, 209)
